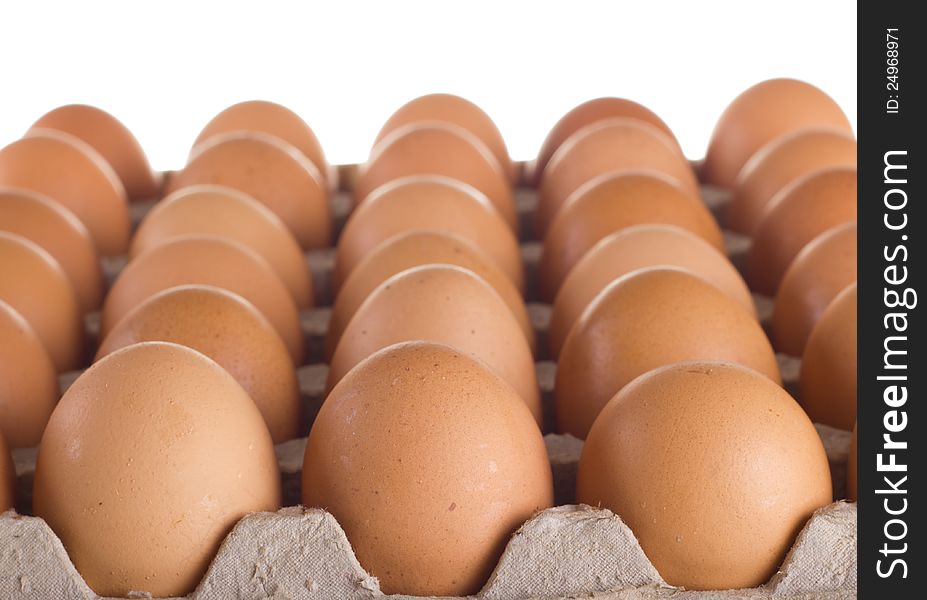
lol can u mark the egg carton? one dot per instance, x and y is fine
(570, 551)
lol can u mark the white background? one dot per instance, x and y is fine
(166, 69)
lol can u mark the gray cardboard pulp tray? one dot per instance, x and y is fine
(570, 551)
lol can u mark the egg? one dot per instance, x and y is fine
(228, 213)
(635, 248)
(851, 467)
(444, 304)
(272, 172)
(7, 477)
(28, 382)
(828, 367)
(36, 287)
(644, 320)
(759, 115)
(427, 202)
(412, 249)
(796, 215)
(429, 461)
(781, 162)
(823, 268)
(40, 219)
(229, 330)
(607, 146)
(73, 174)
(208, 261)
(112, 140)
(713, 467)
(437, 148)
(613, 202)
(114, 477)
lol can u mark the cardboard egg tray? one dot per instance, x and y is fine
(570, 551)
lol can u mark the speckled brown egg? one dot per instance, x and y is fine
(851, 467)
(430, 462)
(713, 467)
(7, 477)
(645, 320)
(147, 463)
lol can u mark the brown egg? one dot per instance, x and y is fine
(759, 115)
(28, 382)
(430, 462)
(613, 202)
(713, 467)
(436, 148)
(799, 213)
(53, 227)
(413, 249)
(851, 467)
(447, 305)
(206, 260)
(605, 147)
(112, 140)
(645, 320)
(36, 287)
(7, 477)
(824, 268)
(228, 213)
(270, 171)
(73, 174)
(427, 202)
(635, 248)
(147, 463)
(779, 163)
(828, 366)
(228, 329)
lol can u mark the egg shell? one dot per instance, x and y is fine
(427, 202)
(636, 248)
(644, 320)
(206, 260)
(229, 330)
(40, 219)
(7, 477)
(448, 305)
(115, 480)
(607, 146)
(713, 467)
(272, 172)
(429, 462)
(799, 213)
(613, 202)
(231, 214)
(851, 467)
(824, 268)
(73, 174)
(779, 163)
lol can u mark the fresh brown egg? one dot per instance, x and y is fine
(28, 383)
(206, 260)
(272, 172)
(413, 249)
(73, 174)
(427, 202)
(761, 114)
(112, 140)
(779, 163)
(828, 366)
(644, 320)
(231, 214)
(636, 248)
(36, 287)
(605, 147)
(713, 467)
(436, 148)
(796, 215)
(823, 268)
(53, 227)
(7, 477)
(430, 462)
(147, 463)
(851, 467)
(447, 305)
(611, 203)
